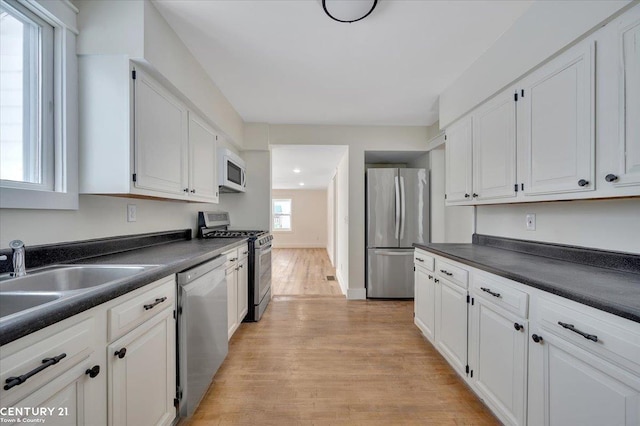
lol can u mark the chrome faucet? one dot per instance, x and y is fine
(18, 258)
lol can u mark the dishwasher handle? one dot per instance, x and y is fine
(196, 272)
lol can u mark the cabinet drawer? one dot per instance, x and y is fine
(74, 341)
(452, 273)
(129, 314)
(243, 251)
(423, 260)
(232, 257)
(501, 293)
(613, 338)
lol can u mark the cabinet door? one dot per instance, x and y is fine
(243, 289)
(160, 139)
(141, 384)
(232, 300)
(556, 124)
(571, 386)
(70, 396)
(203, 184)
(451, 324)
(629, 152)
(498, 360)
(494, 148)
(458, 161)
(425, 303)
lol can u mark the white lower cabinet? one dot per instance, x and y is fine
(69, 351)
(237, 287)
(534, 358)
(85, 382)
(498, 360)
(141, 369)
(451, 323)
(425, 306)
(570, 386)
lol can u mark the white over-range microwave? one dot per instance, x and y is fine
(231, 171)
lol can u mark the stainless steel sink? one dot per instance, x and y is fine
(11, 303)
(58, 282)
(69, 278)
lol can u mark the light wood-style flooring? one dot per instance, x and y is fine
(302, 272)
(324, 360)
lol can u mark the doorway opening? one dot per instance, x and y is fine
(309, 193)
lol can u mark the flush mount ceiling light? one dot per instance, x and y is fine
(348, 11)
(301, 183)
(296, 170)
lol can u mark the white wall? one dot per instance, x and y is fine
(603, 224)
(98, 216)
(135, 28)
(251, 209)
(359, 139)
(343, 233)
(331, 226)
(544, 29)
(308, 219)
(452, 224)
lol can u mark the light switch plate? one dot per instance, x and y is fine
(132, 212)
(530, 219)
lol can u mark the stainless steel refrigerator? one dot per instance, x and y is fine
(397, 216)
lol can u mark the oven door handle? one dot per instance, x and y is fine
(265, 249)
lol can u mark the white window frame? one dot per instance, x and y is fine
(62, 193)
(273, 201)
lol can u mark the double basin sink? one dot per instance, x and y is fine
(53, 283)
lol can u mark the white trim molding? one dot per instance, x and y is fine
(357, 294)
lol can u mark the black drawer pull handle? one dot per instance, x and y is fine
(518, 327)
(233, 259)
(488, 290)
(121, 353)
(536, 338)
(583, 182)
(447, 273)
(93, 371)
(47, 362)
(419, 260)
(245, 252)
(611, 177)
(435, 280)
(430, 277)
(151, 305)
(570, 327)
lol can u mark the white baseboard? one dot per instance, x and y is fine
(357, 294)
(342, 282)
(298, 245)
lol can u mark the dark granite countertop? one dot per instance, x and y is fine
(170, 258)
(612, 290)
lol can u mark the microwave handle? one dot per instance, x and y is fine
(243, 179)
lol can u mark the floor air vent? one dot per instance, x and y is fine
(331, 278)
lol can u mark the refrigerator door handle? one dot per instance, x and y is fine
(397, 212)
(403, 207)
(393, 253)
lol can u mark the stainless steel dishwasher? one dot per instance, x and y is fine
(202, 331)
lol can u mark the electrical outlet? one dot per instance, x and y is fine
(530, 219)
(132, 213)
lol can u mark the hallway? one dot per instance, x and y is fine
(317, 358)
(299, 272)
(330, 361)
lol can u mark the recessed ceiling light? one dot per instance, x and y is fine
(296, 170)
(301, 183)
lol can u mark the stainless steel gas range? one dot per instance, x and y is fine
(216, 225)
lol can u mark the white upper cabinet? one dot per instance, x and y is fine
(458, 162)
(137, 136)
(628, 173)
(494, 148)
(556, 124)
(160, 139)
(202, 160)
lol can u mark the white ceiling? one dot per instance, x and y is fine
(317, 164)
(285, 61)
